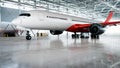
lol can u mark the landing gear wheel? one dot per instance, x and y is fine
(84, 35)
(87, 37)
(28, 37)
(95, 36)
(75, 35)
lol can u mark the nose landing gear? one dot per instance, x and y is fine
(28, 37)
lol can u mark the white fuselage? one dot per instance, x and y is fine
(45, 20)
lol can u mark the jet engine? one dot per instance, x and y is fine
(96, 29)
(56, 32)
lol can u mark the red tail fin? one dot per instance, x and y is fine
(109, 16)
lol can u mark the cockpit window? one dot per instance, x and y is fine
(25, 14)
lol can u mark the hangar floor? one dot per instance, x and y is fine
(60, 52)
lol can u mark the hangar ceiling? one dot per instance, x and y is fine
(85, 8)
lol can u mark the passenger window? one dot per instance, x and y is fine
(25, 14)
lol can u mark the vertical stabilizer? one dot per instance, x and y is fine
(109, 17)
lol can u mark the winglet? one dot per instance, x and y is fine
(109, 16)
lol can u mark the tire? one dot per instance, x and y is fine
(28, 37)
(95, 36)
(75, 35)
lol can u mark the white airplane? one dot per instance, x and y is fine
(57, 23)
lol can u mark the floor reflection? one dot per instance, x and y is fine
(7, 61)
(56, 43)
(60, 53)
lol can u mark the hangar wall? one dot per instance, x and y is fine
(6, 17)
(8, 14)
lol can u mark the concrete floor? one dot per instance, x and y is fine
(62, 52)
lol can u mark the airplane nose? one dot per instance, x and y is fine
(16, 21)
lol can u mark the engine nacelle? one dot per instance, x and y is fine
(96, 29)
(56, 32)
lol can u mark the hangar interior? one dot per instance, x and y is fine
(59, 51)
(91, 9)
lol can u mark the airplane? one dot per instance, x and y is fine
(57, 23)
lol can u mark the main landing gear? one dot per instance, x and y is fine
(75, 35)
(94, 36)
(85, 35)
(82, 35)
(28, 37)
